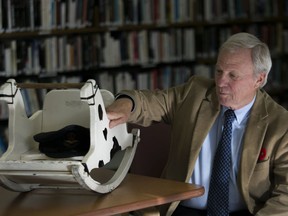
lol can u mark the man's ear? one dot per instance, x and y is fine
(260, 79)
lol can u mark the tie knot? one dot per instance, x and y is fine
(229, 115)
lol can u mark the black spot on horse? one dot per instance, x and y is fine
(100, 164)
(105, 132)
(100, 112)
(116, 147)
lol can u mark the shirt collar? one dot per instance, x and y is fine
(241, 113)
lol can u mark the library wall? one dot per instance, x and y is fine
(125, 44)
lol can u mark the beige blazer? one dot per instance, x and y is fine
(191, 109)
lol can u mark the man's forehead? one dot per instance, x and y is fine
(235, 57)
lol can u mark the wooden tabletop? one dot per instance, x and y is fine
(135, 192)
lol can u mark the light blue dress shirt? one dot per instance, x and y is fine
(203, 166)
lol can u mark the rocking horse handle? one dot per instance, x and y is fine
(50, 85)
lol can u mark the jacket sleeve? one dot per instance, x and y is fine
(161, 105)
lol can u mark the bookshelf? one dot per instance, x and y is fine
(132, 43)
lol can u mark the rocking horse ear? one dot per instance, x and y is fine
(70, 141)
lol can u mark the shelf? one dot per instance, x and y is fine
(24, 34)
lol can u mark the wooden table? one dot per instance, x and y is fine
(135, 192)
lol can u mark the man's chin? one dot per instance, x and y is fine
(224, 102)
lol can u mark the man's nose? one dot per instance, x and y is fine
(221, 79)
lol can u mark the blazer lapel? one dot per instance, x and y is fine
(252, 143)
(208, 113)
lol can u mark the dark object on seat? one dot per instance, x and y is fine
(70, 141)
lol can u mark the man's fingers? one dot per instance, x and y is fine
(115, 122)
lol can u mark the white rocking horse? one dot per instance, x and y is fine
(23, 167)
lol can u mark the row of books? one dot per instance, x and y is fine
(27, 15)
(149, 78)
(48, 56)
(148, 47)
(69, 53)
(239, 9)
(19, 15)
(156, 78)
(162, 12)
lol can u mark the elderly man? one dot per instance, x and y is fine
(252, 174)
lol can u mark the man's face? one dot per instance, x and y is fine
(236, 83)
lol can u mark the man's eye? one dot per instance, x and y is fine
(218, 72)
(233, 76)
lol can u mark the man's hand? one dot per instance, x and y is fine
(119, 111)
